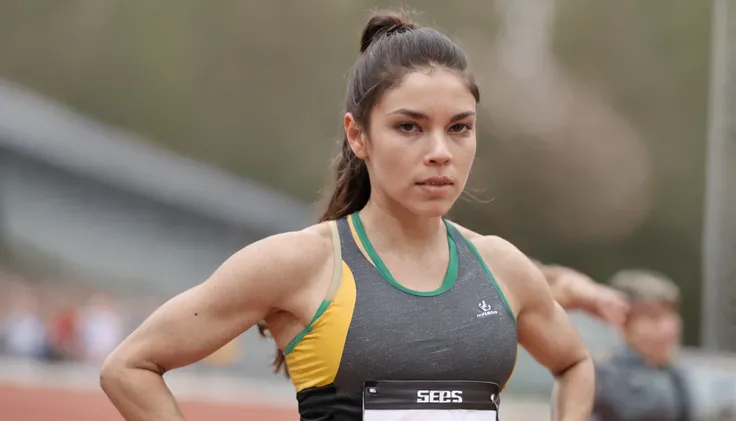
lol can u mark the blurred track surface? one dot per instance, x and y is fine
(43, 404)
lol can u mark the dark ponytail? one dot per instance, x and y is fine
(352, 185)
(390, 47)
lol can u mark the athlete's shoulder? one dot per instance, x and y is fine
(491, 247)
(509, 265)
(293, 251)
(312, 242)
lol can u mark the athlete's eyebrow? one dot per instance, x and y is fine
(421, 116)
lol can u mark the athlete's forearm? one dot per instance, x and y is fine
(572, 399)
(569, 288)
(139, 394)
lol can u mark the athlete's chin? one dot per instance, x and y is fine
(432, 208)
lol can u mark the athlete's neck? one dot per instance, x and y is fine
(402, 232)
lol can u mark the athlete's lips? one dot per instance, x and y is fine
(436, 181)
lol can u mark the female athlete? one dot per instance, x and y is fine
(385, 310)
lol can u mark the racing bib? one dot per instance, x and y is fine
(430, 401)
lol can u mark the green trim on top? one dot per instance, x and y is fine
(322, 308)
(450, 274)
(490, 275)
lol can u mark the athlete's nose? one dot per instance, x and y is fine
(439, 152)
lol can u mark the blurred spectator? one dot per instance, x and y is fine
(63, 332)
(101, 328)
(23, 329)
(62, 321)
(640, 381)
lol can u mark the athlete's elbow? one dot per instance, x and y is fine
(113, 370)
(118, 369)
(112, 373)
(582, 364)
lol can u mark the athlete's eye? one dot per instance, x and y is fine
(408, 127)
(461, 128)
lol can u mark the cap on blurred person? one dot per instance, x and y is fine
(646, 286)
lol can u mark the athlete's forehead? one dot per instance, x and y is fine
(439, 93)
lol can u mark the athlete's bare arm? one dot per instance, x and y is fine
(543, 328)
(277, 275)
(575, 290)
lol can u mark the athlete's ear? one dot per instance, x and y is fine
(356, 136)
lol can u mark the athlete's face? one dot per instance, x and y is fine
(420, 142)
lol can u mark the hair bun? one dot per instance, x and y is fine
(383, 23)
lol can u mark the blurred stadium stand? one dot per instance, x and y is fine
(98, 201)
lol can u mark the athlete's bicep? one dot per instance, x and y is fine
(242, 291)
(543, 326)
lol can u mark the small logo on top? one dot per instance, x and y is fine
(486, 310)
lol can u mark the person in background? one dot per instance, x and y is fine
(640, 380)
(63, 334)
(23, 329)
(100, 328)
